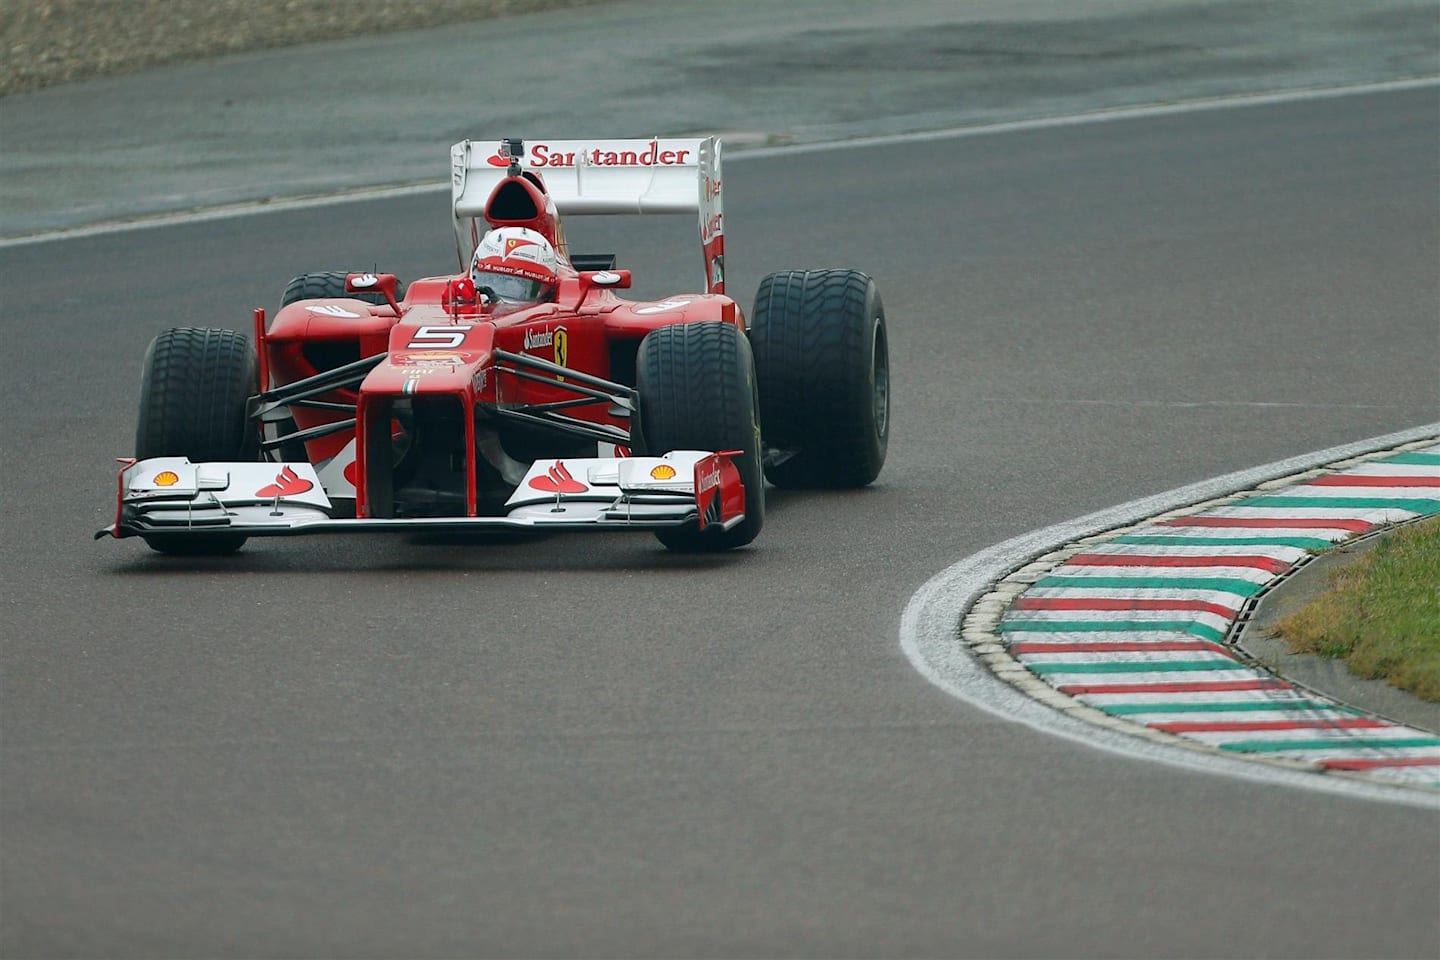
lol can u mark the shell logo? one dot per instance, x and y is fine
(167, 478)
(663, 472)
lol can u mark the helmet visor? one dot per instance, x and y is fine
(510, 288)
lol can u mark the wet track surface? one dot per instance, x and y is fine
(587, 746)
(384, 110)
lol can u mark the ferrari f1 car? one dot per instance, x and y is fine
(364, 405)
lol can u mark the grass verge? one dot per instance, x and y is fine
(1382, 613)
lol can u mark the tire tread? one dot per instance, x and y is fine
(809, 327)
(697, 389)
(194, 390)
(329, 285)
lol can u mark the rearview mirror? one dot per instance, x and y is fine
(619, 279)
(383, 283)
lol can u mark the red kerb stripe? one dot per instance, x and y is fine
(1240, 726)
(1120, 603)
(1341, 480)
(1269, 564)
(1200, 686)
(1294, 523)
(1381, 762)
(1119, 646)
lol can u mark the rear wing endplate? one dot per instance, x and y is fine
(659, 175)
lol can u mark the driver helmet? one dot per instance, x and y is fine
(517, 263)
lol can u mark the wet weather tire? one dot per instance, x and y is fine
(193, 395)
(323, 285)
(697, 392)
(329, 284)
(823, 364)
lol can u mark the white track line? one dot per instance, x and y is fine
(277, 205)
(930, 627)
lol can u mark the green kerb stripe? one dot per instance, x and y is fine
(1243, 706)
(1139, 666)
(1276, 746)
(1415, 505)
(1304, 543)
(1241, 588)
(1416, 458)
(1108, 626)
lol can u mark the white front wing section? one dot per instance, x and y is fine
(171, 495)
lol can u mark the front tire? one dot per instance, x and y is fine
(698, 392)
(194, 389)
(327, 285)
(823, 362)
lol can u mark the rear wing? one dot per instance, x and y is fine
(598, 176)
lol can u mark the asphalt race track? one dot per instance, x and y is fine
(586, 746)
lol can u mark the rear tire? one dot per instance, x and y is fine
(330, 284)
(698, 392)
(823, 363)
(193, 394)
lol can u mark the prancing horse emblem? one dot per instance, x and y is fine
(562, 347)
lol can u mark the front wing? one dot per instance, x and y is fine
(172, 496)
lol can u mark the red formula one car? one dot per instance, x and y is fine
(521, 394)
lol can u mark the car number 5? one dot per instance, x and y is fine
(450, 337)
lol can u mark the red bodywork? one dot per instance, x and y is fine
(441, 342)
